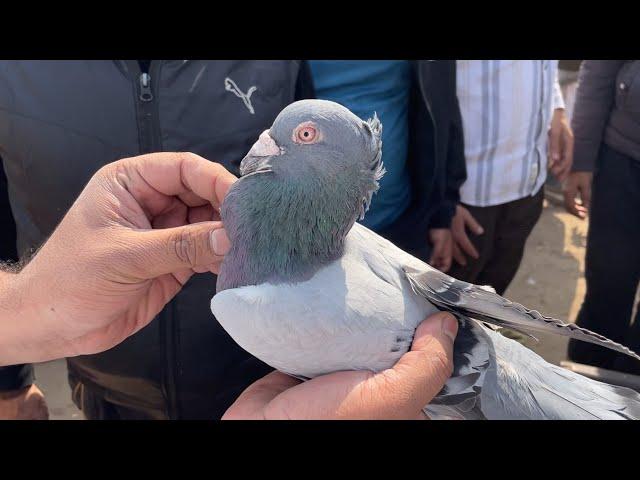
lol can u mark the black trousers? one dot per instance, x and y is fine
(501, 246)
(612, 264)
(95, 405)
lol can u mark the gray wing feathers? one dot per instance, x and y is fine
(551, 391)
(448, 293)
(460, 397)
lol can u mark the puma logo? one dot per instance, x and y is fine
(230, 86)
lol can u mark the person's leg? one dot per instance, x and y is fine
(92, 405)
(612, 264)
(513, 226)
(487, 217)
(625, 363)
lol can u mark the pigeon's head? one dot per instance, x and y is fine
(316, 140)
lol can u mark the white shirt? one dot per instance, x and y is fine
(506, 108)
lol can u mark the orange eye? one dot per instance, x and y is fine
(305, 133)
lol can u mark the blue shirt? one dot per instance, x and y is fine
(365, 87)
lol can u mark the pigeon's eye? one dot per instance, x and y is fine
(305, 133)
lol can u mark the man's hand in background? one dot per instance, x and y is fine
(25, 404)
(577, 183)
(442, 248)
(461, 243)
(560, 145)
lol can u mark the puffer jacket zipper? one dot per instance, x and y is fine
(146, 92)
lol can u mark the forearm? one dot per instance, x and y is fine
(21, 328)
(9, 318)
(558, 99)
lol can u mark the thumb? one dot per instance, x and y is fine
(423, 371)
(170, 250)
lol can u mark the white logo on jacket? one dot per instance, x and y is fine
(230, 86)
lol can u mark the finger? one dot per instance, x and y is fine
(436, 254)
(251, 403)
(560, 172)
(472, 223)
(554, 147)
(175, 215)
(204, 213)
(161, 292)
(151, 177)
(422, 372)
(439, 261)
(458, 256)
(152, 253)
(569, 193)
(446, 261)
(466, 245)
(562, 168)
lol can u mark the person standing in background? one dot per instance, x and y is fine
(606, 177)
(422, 146)
(515, 129)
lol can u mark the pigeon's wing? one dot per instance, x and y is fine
(522, 385)
(460, 397)
(465, 298)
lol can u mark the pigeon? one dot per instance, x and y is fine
(309, 291)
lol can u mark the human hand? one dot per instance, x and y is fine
(400, 392)
(137, 232)
(560, 145)
(442, 248)
(461, 242)
(577, 182)
(24, 404)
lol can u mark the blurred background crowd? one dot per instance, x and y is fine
(481, 157)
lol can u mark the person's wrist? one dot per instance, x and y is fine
(19, 340)
(11, 335)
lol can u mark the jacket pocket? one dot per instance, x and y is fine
(628, 87)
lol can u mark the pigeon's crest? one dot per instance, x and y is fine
(374, 127)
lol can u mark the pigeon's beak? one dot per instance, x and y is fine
(264, 148)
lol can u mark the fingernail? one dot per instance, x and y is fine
(480, 231)
(556, 156)
(220, 242)
(450, 326)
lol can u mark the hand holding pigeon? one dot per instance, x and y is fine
(399, 392)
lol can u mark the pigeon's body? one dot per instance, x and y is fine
(310, 328)
(309, 292)
(360, 312)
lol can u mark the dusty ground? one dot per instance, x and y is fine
(550, 280)
(551, 277)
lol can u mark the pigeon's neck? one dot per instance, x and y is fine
(283, 231)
